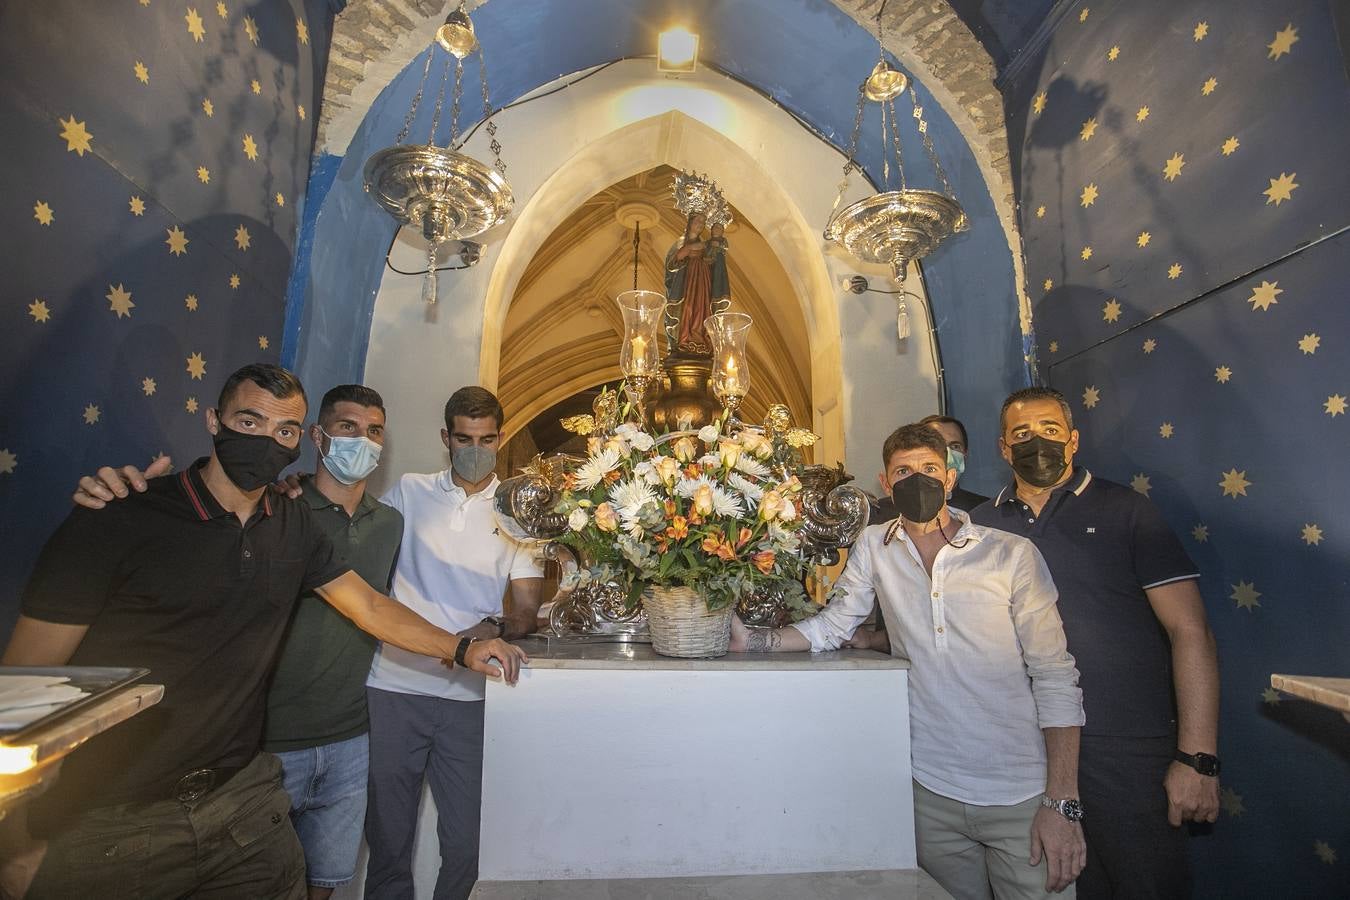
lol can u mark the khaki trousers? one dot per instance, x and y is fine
(979, 852)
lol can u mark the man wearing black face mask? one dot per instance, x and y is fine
(994, 703)
(1136, 624)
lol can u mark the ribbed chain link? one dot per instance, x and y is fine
(417, 99)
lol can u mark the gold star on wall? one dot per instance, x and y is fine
(1312, 535)
(1174, 271)
(222, 11)
(1048, 284)
(1284, 41)
(1335, 405)
(1230, 146)
(190, 301)
(119, 301)
(1143, 239)
(1086, 253)
(92, 414)
(191, 405)
(250, 147)
(1200, 533)
(263, 342)
(1281, 189)
(255, 86)
(1263, 297)
(1082, 16)
(1325, 852)
(1201, 29)
(1040, 212)
(1235, 483)
(148, 386)
(1222, 374)
(251, 29)
(1150, 345)
(302, 31)
(1231, 801)
(1245, 594)
(281, 201)
(8, 462)
(1088, 130)
(1271, 697)
(1113, 54)
(1174, 166)
(137, 206)
(1054, 346)
(1309, 343)
(1038, 104)
(77, 138)
(234, 282)
(1140, 484)
(141, 72)
(1111, 311)
(203, 174)
(1141, 114)
(241, 238)
(208, 107)
(177, 241)
(300, 111)
(195, 26)
(42, 212)
(39, 311)
(1208, 87)
(1089, 196)
(1091, 396)
(1165, 430)
(196, 366)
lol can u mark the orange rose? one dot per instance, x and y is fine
(703, 499)
(606, 519)
(684, 449)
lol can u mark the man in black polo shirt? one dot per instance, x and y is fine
(196, 580)
(1136, 624)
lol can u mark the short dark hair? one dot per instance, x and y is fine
(277, 381)
(473, 402)
(914, 436)
(947, 420)
(1034, 393)
(349, 393)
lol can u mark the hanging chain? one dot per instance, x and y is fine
(637, 239)
(495, 146)
(440, 102)
(849, 164)
(928, 144)
(454, 104)
(417, 99)
(895, 140)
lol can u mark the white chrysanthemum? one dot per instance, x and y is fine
(726, 503)
(752, 467)
(687, 486)
(593, 471)
(628, 498)
(747, 487)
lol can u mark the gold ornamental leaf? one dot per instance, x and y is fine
(801, 437)
(582, 424)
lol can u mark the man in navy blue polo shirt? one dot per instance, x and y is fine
(1136, 625)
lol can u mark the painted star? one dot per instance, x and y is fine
(1230, 146)
(1284, 41)
(1113, 53)
(1086, 253)
(255, 86)
(222, 11)
(177, 241)
(300, 111)
(1091, 396)
(196, 366)
(1111, 311)
(234, 281)
(1082, 16)
(77, 138)
(1325, 852)
(1088, 130)
(302, 31)
(1245, 593)
(39, 311)
(8, 462)
(1208, 87)
(1143, 239)
(1142, 114)
(203, 174)
(251, 29)
(141, 72)
(148, 386)
(1166, 430)
(1335, 405)
(91, 414)
(1089, 196)
(1309, 343)
(1174, 271)
(1281, 189)
(119, 300)
(1038, 104)
(1312, 535)
(1054, 346)
(1231, 801)
(242, 240)
(1263, 297)
(1173, 167)
(281, 201)
(208, 107)
(1235, 483)
(195, 26)
(191, 405)
(137, 206)
(1140, 484)
(1150, 345)
(1048, 284)
(250, 147)
(190, 301)
(1040, 212)
(1200, 533)
(1271, 697)
(1222, 374)
(263, 342)
(42, 212)
(1201, 29)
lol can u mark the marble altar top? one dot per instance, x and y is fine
(570, 654)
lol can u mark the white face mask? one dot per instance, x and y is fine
(351, 459)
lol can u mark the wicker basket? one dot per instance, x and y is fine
(681, 624)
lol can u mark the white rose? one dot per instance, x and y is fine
(641, 440)
(708, 434)
(577, 520)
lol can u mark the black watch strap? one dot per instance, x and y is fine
(497, 621)
(461, 650)
(1204, 763)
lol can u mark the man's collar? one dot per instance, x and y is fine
(965, 529)
(1077, 483)
(203, 502)
(446, 482)
(317, 499)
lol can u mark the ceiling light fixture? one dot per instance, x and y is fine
(677, 51)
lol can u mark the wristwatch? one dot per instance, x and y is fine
(498, 621)
(461, 650)
(1204, 763)
(1071, 809)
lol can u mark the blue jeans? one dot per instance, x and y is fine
(327, 785)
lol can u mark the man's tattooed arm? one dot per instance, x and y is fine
(763, 640)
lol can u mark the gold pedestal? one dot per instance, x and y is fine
(687, 398)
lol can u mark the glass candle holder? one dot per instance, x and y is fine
(644, 315)
(731, 369)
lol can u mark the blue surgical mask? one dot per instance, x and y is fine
(956, 459)
(351, 459)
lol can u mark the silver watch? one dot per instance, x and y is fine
(1070, 809)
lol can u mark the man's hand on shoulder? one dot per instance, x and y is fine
(289, 487)
(1061, 843)
(1191, 797)
(108, 484)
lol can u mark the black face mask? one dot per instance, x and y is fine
(919, 498)
(1039, 461)
(251, 461)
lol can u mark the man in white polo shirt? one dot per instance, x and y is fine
(426, 721)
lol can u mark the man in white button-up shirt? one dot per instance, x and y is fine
(995, 708)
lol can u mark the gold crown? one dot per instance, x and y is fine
(696, 193)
